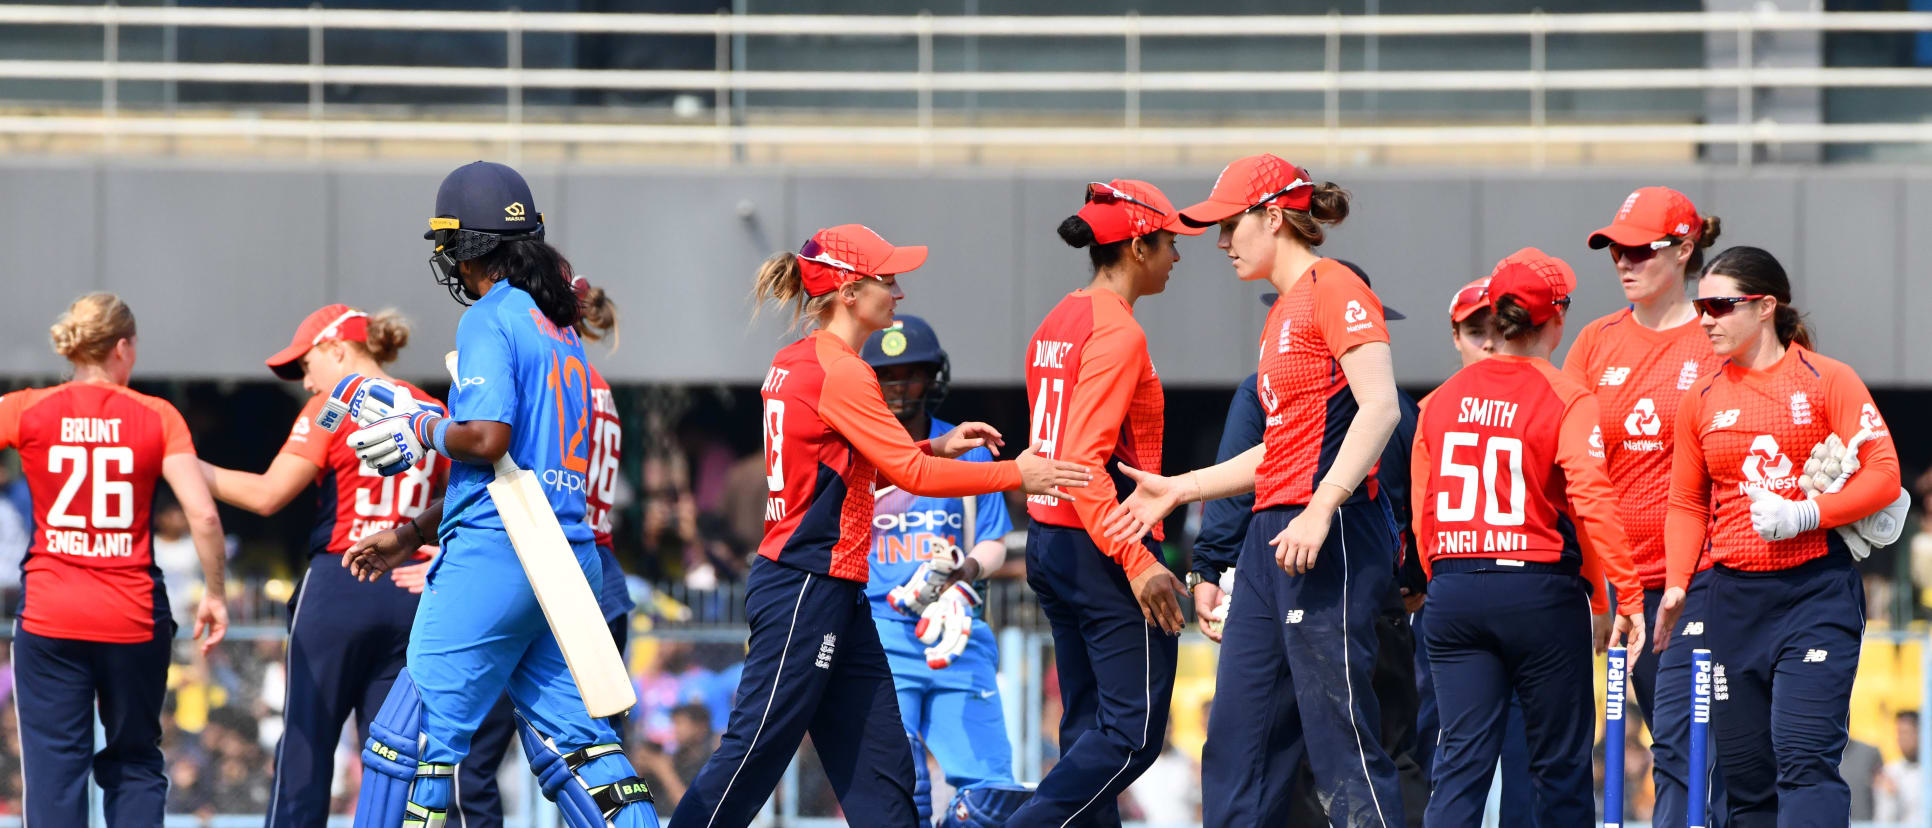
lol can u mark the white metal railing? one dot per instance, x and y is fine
(725, 82)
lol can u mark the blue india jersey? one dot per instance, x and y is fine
(906, 527)
(514, 366)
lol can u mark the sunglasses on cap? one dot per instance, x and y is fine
(1098, 193)
(812, 251)
(1640, 253)
(1472, 295)
(1292, 186)
(1718, 307)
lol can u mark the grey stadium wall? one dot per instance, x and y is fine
(219, 261)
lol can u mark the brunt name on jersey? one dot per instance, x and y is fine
(90, 430)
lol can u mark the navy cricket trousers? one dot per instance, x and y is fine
(346, 643)
(814, 665)
(1295, 679)
(1662, 685)
(1493, 631)
(57, 684)
(1784, 648)
(1116, 679)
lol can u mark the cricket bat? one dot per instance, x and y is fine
(562, 591)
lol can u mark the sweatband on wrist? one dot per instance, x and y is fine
(439, 440)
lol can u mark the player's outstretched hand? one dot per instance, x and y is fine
(965, 437)
(1153, 498)
(1160, 594)
(376, 554)
(1668, 610)
(1298, 545)
(211, 620)
(1043, 475)
(394, 443)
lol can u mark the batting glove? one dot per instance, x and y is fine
(1776, 518)
(363, 400)
(395, 443)
(923, 588)
(946, 624)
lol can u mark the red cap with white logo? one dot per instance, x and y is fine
(1125, 208)
(329, 322)
(1538, 281)
(835, 256)
(1470, 298)
(1649, 215)
(1250, 182)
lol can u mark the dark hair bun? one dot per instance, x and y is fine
(1076, 232)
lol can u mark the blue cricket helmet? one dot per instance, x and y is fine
(910, 341)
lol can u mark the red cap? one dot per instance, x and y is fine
(1251, 182)
(1537, 280)
(1471, 298)
(1125, 208)
(330, 322)
(1650, 214)
(835, 256)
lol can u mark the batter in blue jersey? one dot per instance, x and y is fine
(926, 554)
(521, 389)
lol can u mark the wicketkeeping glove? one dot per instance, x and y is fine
(1831, 463)
(363, 400)
(946, 624)
(919, 591)
(396, 442)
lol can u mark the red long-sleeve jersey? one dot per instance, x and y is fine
(1303, 391)
(827, 430)
(1639, 377)
(606, 447)
(1096, 401)
(91, 453)
(1507, 465)
(1741, 428)
(352, 500)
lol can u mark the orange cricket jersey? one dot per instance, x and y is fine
(353, 501)
(827, 430)
(1639, 377)
(91, 453)
(606, 447)
(1505, 467)
(1096, 401)
(1740, 428)
(1304, 395)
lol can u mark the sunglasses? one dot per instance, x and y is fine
(1292, 186)
(1718, 307)
(1638, 254)
(1098, 193)
(1472, 295)
(812, 251)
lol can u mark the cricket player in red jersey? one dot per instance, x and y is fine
(1299, 645)
(1517, 526)
(345, 650)
(814, 662)
(1096, 401)
(94, 629)
(1785, 608)
(1639, 362)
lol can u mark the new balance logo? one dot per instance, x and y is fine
(1724, 419)
(1693, 628)
(825, 648)
(1643, 420)
(1815, 656)
(1294, 616)
(1614, 376)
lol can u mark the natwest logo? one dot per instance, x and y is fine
(1766, 464)
(1643, 420)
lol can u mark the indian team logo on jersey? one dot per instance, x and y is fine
(1614, 376)
(1800, 409)
(1688, 376)
(1724, 419)
(1767, 464)
(1643, 420)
